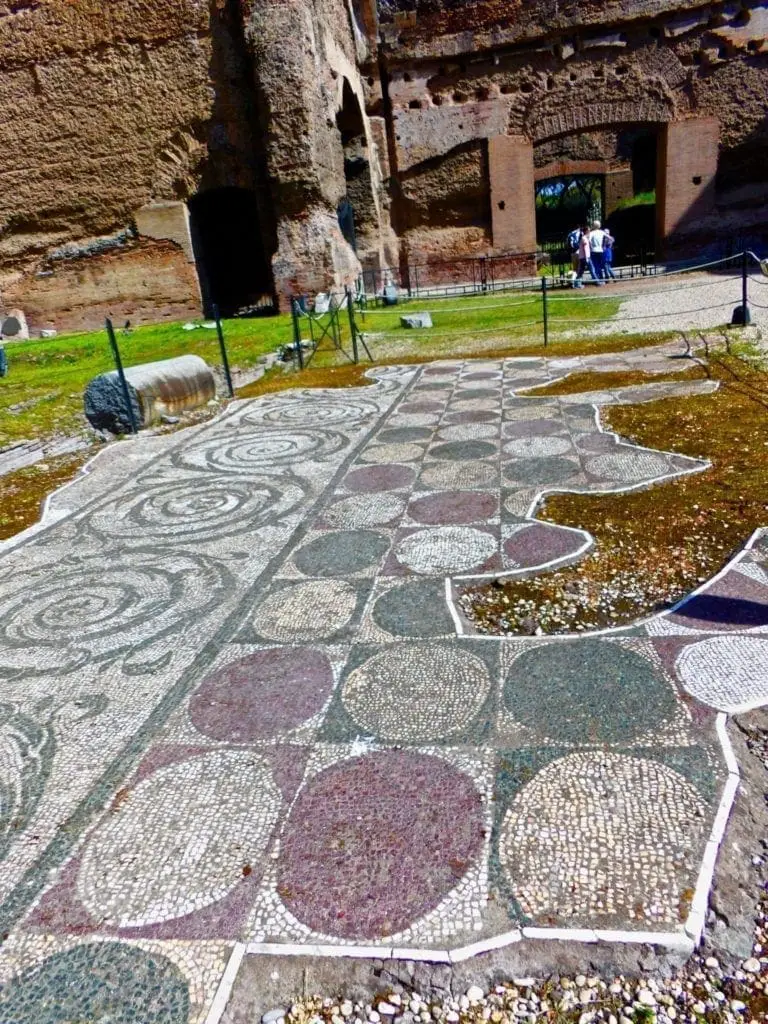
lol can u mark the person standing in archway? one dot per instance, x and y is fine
(596, 246)
(585, 260)
(608, 243)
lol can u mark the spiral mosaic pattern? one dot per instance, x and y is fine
(98, 610)
(260, 449)
(200, 509)
(311, 410)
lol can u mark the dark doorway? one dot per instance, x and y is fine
(356, 211)
(229, 249)
(633, 222)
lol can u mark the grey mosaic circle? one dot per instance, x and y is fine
(543, 472)
(404, 435)
(468, 432)
(180, 841)
(627, 466)
(416, 694)
(463, 451)
(342, 553)
(448, 476)
(589, 691)
(381, 453)
(98, 983)
(314, 610)
(414, 609)
(537, 447)
(729, 673)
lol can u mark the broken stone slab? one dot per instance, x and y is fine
(159, 389)
(416, 320)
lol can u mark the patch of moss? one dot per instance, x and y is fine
(578, 383)
(23, 491)
(667, 539)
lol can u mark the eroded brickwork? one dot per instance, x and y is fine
(110, 110)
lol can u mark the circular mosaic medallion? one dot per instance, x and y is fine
(262, 695)
(180, 840)
(729, 673)
(597, 835)
(532, 428)
(421, 405)
(307, 409)
(587, 691)
(541, 543)
(468, 432)
(391, 835)
(412, 693)
(628, 466)
(207, 507)
(540, 472)
(101, 983)
(372, 479)
(381, 453)
(243, 452)
(341, 553)
(482, 404)
(461, 394)
(300, 612)
(537, 447)
(471, 417)
(447, 508)
(404, 435)
(482, 375)
(365, 510)
(414, 609)
(463, 451)
(446, 549)
(596, 442)
(459, 474)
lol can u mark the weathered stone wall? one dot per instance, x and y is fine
(576, 80)
(107, 110)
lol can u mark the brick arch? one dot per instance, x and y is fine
(598, 115)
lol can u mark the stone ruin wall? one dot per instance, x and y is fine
(568, 77)
(114, 116)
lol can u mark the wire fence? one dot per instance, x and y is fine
(542, 312)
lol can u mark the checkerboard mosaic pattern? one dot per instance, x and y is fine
(238, 704)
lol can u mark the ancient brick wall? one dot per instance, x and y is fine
(578, 80)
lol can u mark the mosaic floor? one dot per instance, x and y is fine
(239, 708)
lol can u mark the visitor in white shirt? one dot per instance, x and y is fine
(596, 245)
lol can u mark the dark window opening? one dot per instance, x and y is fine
(232, 261)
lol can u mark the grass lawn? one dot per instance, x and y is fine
(43, 392)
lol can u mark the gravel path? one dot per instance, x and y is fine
(680, 302)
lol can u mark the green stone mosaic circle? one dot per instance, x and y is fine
(593, 691)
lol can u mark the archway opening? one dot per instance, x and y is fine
(232, 260)
(565, 202)
(357, 214)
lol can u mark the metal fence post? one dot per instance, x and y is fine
(121, 374)
(352, 326)
(297, 334)
(223, 348)
(545, 309)
(741, 315)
